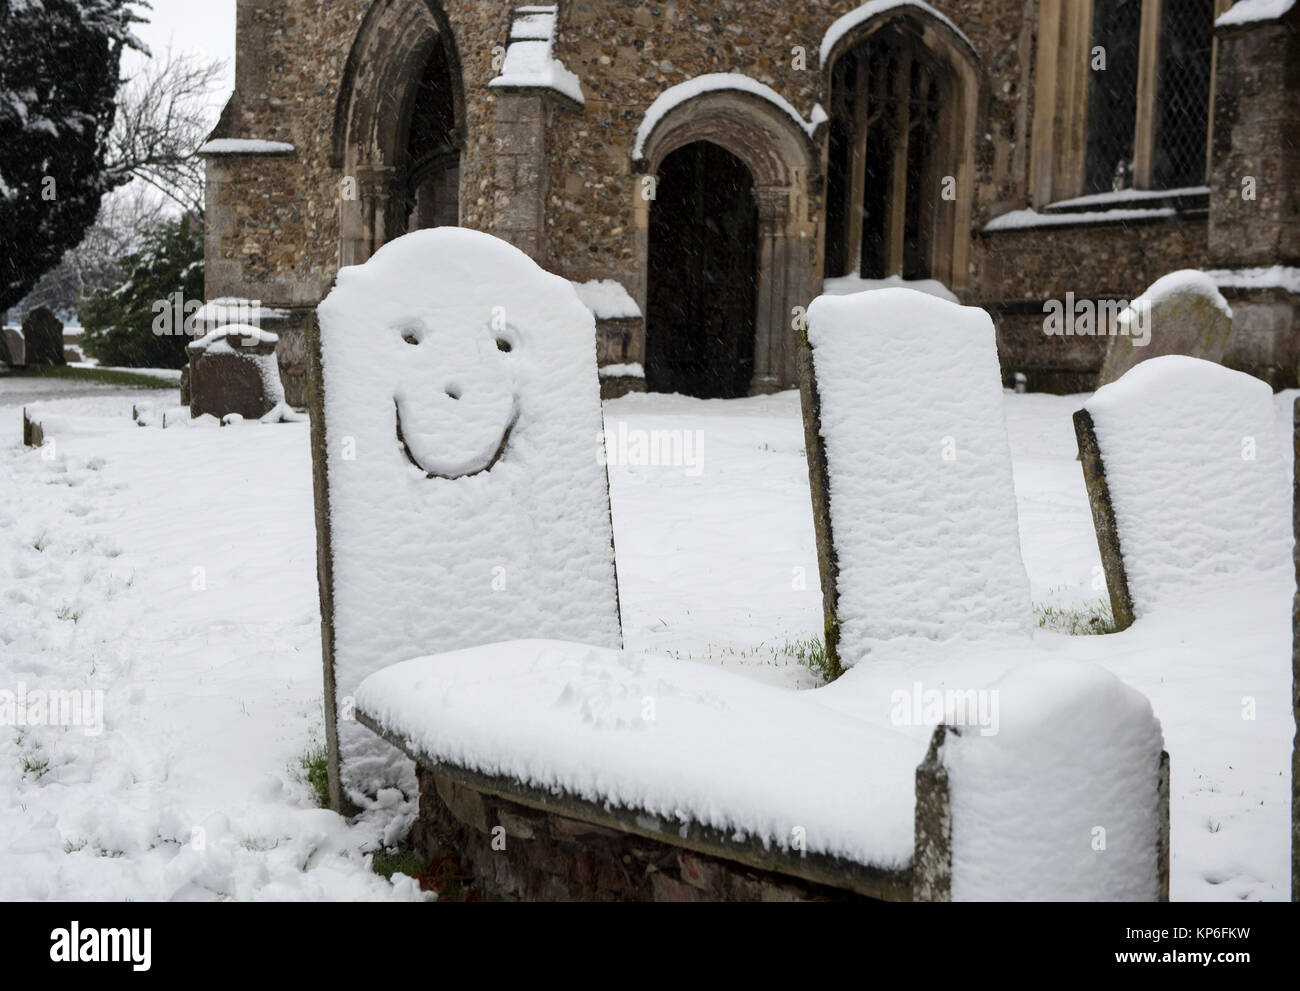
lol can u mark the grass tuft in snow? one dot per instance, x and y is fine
(313, 771)
(103, 376)
(386, 863)
(812, 655)
(33, 764)
(1094, 619)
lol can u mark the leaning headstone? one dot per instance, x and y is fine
(1181, 313)
(43, 333)
(459, 497)
(913, 497)
(1066, 800)
(233, 369)
(13, 351)
(1186, 480)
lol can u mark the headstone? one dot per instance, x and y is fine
(460, 500)
(13, 351)
(1186, 480)
(233, 369)
(913, 497)
(43, 334)
(1181, 313)
(1067, 801)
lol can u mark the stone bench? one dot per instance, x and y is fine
(471, 623)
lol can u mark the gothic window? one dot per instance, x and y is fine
(1148, 94)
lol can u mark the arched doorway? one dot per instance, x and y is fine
(398, 128)
(702, 285)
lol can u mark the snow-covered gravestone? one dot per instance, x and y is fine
(460, 497)
(913, 497)
(1186, 478)
(1181, 313)
(1068, 800)
(234, 372)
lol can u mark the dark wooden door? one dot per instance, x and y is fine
(703, 275)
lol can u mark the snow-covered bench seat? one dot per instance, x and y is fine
(1186, 477)
(1066, 799)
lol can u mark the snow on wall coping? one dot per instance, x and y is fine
(722, 750)
(631, 370)
(607, 299)
(875, 8)
(245, 146)
(1187, 281)
(847, 285)
(1196, 475)
(1129, 196)
(1075, 748)
(1027, 219)
(512, 536)
(530, 61)
(673, 97)
(1251, 11)
(1276, 277)
(243, 330)
(922, 502)
(232, 309)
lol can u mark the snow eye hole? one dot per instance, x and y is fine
(504, 346)
(453, 392)
(409, 337)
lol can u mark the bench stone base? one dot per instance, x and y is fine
(518, 853)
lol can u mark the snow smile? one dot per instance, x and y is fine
(457, 436)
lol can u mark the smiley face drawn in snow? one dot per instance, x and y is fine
(456, 402)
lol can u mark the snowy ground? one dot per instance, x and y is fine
(175, 572)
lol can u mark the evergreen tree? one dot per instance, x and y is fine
(60, 72)
(143, 323)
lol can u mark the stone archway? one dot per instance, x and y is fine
(906, 90)
(399, 127)
(781, 160)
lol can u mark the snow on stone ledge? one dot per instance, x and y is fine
(607, 300)
(1252, 11)
(720, 749)
(233, 309)
(245, 146)
(631, 370)
(875, 8)
(673, 97)
(1276, 277)
(1027, 219)
(1129, 196)
(923, 505)
(530, 61)
(1196, 475)
(241, 330)
(847, 285)
(1075, 749)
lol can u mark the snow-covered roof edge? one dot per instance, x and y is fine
(1028, 219)
(530, 61)
(1253, 11)
(245, 146)
(673, 97)
(874, 8)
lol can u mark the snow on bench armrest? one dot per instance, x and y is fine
(681, 741)
(460, 499)
(919, 507)
(1067, 800)
(1185, 456)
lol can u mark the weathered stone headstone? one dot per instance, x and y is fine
(1181, 313)
(459, 498)
(913, 497)
(234, 370)
(1185, 478)
(43, 334)
(12, 347)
